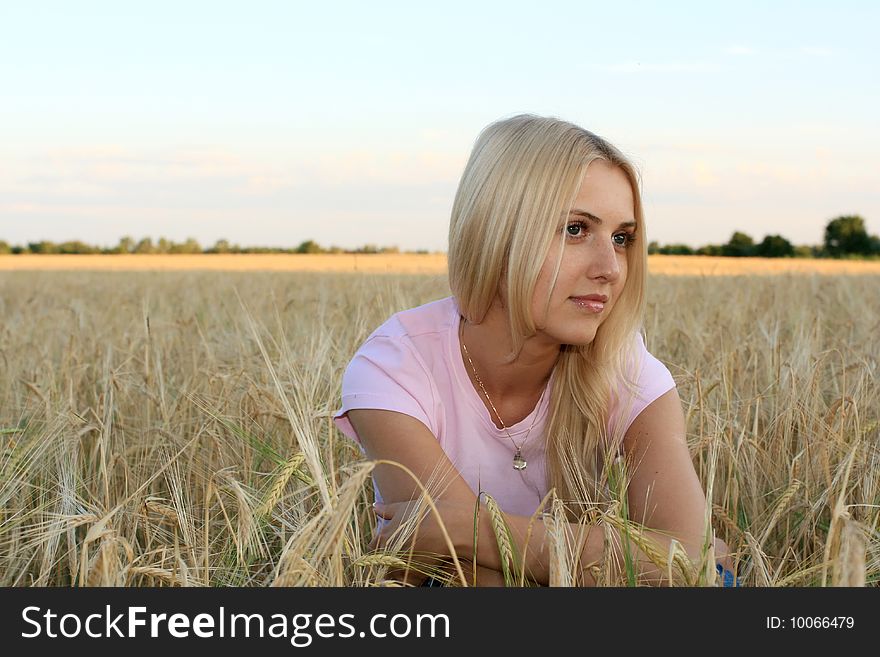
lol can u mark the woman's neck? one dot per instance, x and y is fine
(489, 344)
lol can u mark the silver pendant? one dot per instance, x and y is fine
(519, 463)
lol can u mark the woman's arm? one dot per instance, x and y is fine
(458, 523)
(393, 436)
(664, 494)
(664, 491)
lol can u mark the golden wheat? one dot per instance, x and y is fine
(174, 427)
(404, 263)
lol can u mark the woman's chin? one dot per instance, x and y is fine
(581, 340)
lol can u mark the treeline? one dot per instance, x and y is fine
(146, 245)
(845, 237)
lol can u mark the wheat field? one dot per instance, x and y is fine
(173, 427)
(404, 263)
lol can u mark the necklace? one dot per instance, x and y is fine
(519, 463)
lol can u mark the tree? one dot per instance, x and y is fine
(189, 246)
(42, 247)
(76, 246)
(740, 245)
(774, 246)
(676, 249)
(309, 246)
(710, 250)
(144, 246)
(220, 246)
(126, 245)
(847, 235)
(653, 247)
(5, 249)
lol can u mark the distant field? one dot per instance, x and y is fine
(343, 262)
(406, 264)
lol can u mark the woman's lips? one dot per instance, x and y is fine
(588, 304)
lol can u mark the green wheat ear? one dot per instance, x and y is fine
(510, 559)
(290, 469)
(617, 486)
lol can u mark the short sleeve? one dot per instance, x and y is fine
(652, 380)
(385, 374)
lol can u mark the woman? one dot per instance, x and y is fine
(533, 374)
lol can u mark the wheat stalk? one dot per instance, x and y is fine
(779, 509)
(502, 537)
(290, 467)
(661, 558)
(849, 565)
(380, 560)
(156, 505)
(156, 573)
(757, 562)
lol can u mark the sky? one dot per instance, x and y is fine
(349, 123)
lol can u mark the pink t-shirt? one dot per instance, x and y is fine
(412, 364)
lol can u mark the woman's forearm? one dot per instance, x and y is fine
(487, 555)
(534, 544)
(478, 575)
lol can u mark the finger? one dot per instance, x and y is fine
(379, 539)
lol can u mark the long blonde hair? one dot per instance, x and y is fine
(523, 174)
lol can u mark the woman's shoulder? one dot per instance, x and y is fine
(416, 334)
(392, 369)
(643, 375)
(395, 367)
(645, 378)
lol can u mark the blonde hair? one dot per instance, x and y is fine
(522, 177)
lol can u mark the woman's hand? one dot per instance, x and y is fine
(427, 540)
(722, 554)
(428, 536)
(430, 539)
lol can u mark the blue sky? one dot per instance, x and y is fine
(267, 123)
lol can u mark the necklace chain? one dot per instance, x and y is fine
(519, 463)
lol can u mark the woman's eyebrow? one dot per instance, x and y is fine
(592, 217)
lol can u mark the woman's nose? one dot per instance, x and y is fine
(604, 262)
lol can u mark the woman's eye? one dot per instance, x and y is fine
(577, 229)
(628, 239)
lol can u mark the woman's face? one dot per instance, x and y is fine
(597, 235)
